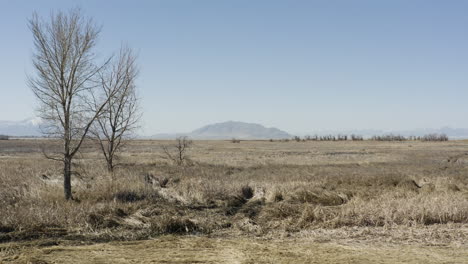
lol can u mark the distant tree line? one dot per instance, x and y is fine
(428, 137)
(4, 137)
(338, 137)
(353, 137)
(389, 137)
(435, 137)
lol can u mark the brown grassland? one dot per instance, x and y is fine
(252, 202)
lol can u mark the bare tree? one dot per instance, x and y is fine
(64, 81)
(178, 152)
(120, 117)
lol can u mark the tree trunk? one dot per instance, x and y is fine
(67, 178)
(110, 165)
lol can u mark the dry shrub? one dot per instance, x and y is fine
(107, 217)
(278, 196)
(317, 216)
(128, 196)
(201, 192)
(101, 221)
(252, 208)
(233, 204)
(6, 229)
(247, 192)
(280, 211)
(163, 182)
(275, 195)
(388, 180)
(427, 188)
(453, 187)
(217, 192)
(401, 209)
(408, 185)
(174, 225)
(321, 197)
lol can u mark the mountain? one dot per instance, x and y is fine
(231, 129)
(23, 128)
(239, 130)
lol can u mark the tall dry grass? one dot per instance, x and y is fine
(280, 186)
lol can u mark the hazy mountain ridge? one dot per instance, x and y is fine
(22, 128)
(239, 130)
(231, 129)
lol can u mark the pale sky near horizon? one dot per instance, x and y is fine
(300, 66)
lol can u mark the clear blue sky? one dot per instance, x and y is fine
(297, 65)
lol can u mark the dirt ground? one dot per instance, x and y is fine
(193, 249)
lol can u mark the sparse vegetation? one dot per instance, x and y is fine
(177, 152)
(389, 137)
(64, 82)
(435, 137)
(120, 116)
(291, 191)
(386, 137)
(357, 137)
(241, 192)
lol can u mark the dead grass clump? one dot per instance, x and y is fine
(278, 196)
(234, 203)
(249, 226)
(174, 225)
(256, 187)
(408, 185)
(453, 187)
(101, 221)
(321, 197)
(317, 216)
(128, 196)
(152, 180)
(427, 188)
(247, 192)
(388, 180)
(163, 182)
(395, 209)
(6, 229)
(275, 195)
(252, 208)
(280, 211)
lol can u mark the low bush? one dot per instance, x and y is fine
(174, 225)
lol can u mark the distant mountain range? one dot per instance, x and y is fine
(232, 129)
(25, 128)
(229, 130)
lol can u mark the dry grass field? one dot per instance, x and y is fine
(252, 202)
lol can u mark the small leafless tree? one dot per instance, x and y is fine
(435, 137)
(120, 116)
(178, 152)
(64, 82)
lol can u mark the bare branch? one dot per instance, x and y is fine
(65, 80)
(120, 116)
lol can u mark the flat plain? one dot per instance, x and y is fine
(247, 202)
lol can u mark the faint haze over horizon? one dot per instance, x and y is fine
(299, 66)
